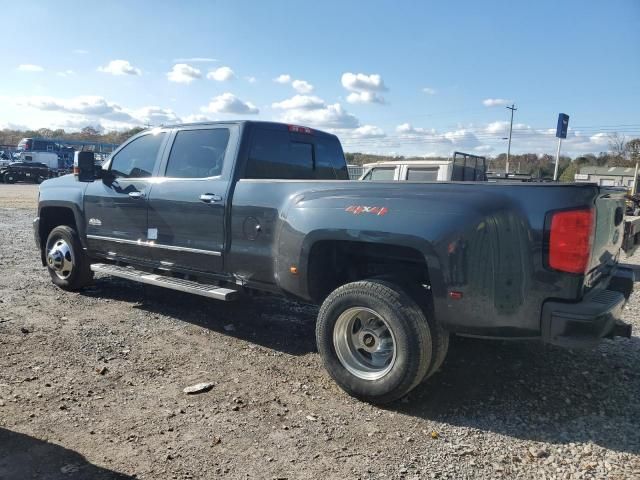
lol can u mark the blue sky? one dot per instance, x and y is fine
(407, 77)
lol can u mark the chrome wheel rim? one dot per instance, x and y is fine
(60, 258)
(364, 343)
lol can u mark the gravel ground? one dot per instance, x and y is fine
(91, 387)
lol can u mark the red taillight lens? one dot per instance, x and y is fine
(570, 240)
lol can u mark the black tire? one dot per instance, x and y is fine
(410, 328)
(439, 335)
(80, 275)
(9, 178)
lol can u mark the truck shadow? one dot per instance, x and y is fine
(536, 392)
(24, 457)
(524, 390)
(268, 321)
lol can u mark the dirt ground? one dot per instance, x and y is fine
(91, 387)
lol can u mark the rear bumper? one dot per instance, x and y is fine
(584, 324)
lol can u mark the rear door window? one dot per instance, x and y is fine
(422, 174)
(198, 153)
(381, 173)
(330, 162)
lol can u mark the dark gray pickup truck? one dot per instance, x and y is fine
(222, 209)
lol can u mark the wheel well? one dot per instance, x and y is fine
(52, 217)
(334, 263)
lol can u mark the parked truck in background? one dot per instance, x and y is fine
(461, 167)
(220, 209)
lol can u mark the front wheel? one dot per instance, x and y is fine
(375, 340)
(9, 178)
(68, 264)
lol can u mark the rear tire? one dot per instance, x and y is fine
(9, 178)
(68, 264)
(375, 340)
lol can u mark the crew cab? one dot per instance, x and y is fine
(226, 208)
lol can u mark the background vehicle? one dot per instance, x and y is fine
(219, 209)
(461, 167)
(50, 159)
(25, 172)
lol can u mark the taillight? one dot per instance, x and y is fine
(570, 240)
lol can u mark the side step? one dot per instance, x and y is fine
(180, 284)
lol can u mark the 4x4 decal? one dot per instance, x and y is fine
(359, 209)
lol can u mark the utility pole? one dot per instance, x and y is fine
(506, 170)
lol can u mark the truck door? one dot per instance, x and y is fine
(187, 205)
(116, 207)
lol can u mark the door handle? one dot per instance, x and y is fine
(136, 194)
(210, 198)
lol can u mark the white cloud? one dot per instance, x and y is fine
(364, 88)
(195, 60)
(196, 117)
(221, 74)
(601, 139)
(283, 78)
(302, 86)
(483, 148)
(153, 115)
(91, 108)
(120, 67)
(183, 73)
(502, 127)
(365, 97)
(407, 128)
(429, 90)
(29, 67)
(302, 102)
(462, 137)
(368, 131)
(330, 117)
(66, 73)
(83, 105)
(80, 51)
(229, 103)
(12, 126)
(495, 102)
(360, 82)
(251, 79)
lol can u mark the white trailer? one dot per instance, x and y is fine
(50, 159)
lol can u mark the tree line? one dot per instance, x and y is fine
(87, 134)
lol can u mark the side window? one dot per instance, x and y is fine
(274, 156)
(137, 159)
(422, 174)
(382, 174)
(198, 153)
(330, 162)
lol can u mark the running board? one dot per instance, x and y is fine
(180, 284)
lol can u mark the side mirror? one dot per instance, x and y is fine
(84, 166)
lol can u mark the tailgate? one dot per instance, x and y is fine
(631, 235)
(609, 232)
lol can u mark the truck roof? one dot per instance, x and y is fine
(283, 126)
(393, 163)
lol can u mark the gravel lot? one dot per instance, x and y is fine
(91, 387)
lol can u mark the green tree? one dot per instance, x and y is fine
(569, 173)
